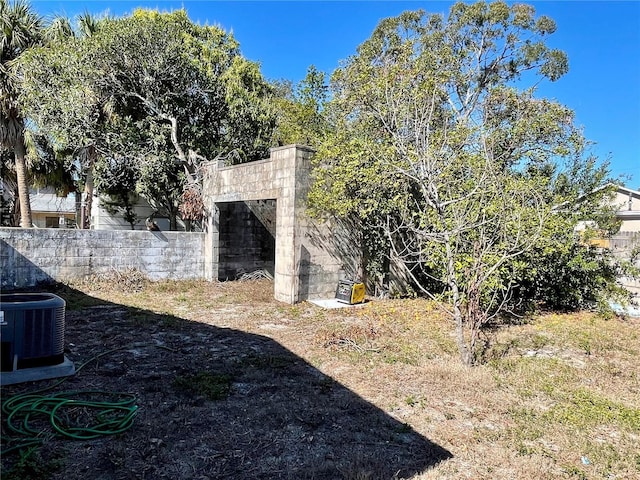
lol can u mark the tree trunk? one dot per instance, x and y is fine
(88, 189)
(456, 299)
(23, 184)
(15, 214)
(173, 220)
(466, 355)
(88, 200)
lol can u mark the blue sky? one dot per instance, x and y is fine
(601, 38)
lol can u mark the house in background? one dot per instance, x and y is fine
(48, 210)
(624, 243)
(6, 205)
(101, 219)
(627, 202)
(51, 211)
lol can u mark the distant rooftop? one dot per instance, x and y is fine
(42, 201)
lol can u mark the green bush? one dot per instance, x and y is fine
(568, 278)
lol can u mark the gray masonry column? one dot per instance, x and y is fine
(212, 243)
(291, 176)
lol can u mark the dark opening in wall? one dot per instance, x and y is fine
(247, 238)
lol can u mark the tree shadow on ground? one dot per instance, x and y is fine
(219, 403)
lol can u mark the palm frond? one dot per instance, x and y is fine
(88, 24)
(58, 30)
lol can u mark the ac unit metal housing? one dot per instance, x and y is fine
(32, 337)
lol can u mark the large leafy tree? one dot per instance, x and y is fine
(300, 110)
(116, 181)
(20, 29)
(152, 86)
(440, 145)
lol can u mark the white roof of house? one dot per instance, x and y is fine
(50, 202)
(630, 191)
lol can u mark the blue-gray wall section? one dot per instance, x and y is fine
(32, 256)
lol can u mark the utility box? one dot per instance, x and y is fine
(32, 338)
(350, 292)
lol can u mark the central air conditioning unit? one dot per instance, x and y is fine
(32, 338)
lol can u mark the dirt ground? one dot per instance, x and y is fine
(229, 383)
(215, 401)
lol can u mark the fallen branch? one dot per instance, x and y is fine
(350, 344)
(255, 275)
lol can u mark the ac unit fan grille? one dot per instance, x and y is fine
(43, 341)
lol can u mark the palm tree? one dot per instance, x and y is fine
(88, 25)
(20, 29)
(58, 30)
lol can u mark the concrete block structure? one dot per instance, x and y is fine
(257, 220)
(29, 256)
(272, 192)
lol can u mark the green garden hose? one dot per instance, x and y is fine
(80, 415)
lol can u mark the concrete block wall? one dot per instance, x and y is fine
(324, 257)
(30, 256)
(265, 213)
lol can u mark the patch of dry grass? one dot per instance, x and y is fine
(558, 397)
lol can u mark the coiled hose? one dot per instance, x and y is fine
(82, 415)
